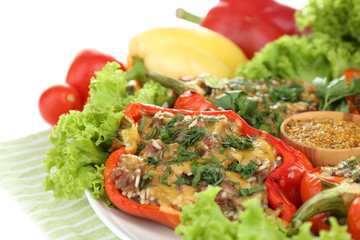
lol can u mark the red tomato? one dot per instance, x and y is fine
(83, 68)
(319, 222)
(57, 100)
(354, 219)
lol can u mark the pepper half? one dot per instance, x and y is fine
(294, 163)
(180, 52)
(167, 216)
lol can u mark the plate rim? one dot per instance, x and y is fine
(115, 229)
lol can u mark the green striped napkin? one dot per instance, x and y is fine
(22, 173)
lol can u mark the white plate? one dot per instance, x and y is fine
(128, 227)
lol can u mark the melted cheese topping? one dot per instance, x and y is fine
(180, 155)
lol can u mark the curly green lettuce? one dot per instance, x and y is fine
(332, 47)
(303, 58)
(337, 18)
(81, 139)
(204, 220)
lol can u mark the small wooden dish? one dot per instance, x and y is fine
(321, 156)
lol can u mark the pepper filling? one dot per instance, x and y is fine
(180, 155)
(348, 169)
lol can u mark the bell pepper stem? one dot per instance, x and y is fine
(138, 71)
(178, 86)
(181, 13)
(335, 201)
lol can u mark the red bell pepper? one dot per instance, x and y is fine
(168, 217)
(249, 24)
(294, 164)
(191, 100)
(283, 183)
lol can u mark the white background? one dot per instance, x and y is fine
(38, 41)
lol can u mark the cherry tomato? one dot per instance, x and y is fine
(354, 219)
(57, 100)
(319, 222)
(83, 68)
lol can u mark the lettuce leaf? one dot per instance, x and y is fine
(204, 220)
(81, 139)
(303, 58)
(337, 18)
(332, 47)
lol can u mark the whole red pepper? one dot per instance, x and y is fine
(294, 163)
(249, 24)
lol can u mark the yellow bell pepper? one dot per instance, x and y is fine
(176, 52)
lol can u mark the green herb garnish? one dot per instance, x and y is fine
(165, 177)
(248, 191)
(238, 142)
(146, 179)
(246, 171)
(141, 125)
(212, 174)
(193, 135)
(182, 180)
(330, 92)
(350, 163)
(150, 160)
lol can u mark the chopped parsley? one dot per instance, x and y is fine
(248, 191)
(141, 125)
(246, 171)
(165, 177)
(150, 160)
(286, 93)
(146, 179)
(154, 133)
(184, 155)
(212, 174)
(193, 136)
(182, 180)
(350, 163)
(238, 142)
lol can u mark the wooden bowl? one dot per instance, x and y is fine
(321, 156)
